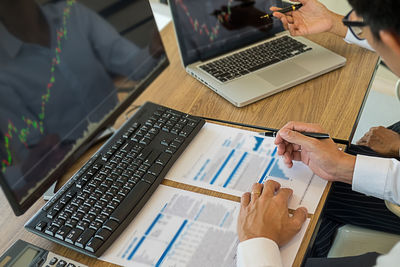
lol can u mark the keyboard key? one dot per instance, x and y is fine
(52, 214)
(73, 236)
(94, 244)
(149, 178)
(175, 145)
(84, 238)
(64, 215)
(144, 154)
(40, 226)
(58, 222)
(170, 150)
(51, 230)
(133, 197)
(103, 233)
(78, 215)
(82, 225)
(101, 218)
(155, 169)
(71, 223)
(111, 225)
(62, 232)
(151, 158)
(95, 225)
(163, 159)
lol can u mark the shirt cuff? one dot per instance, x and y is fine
(351, 39)
(257, 252)
(370, 175)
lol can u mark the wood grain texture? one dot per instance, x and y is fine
(333, 100)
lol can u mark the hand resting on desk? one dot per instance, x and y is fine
(382, 140)
(264, 213)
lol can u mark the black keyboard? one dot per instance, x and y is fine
(90, 211)
(254, 58)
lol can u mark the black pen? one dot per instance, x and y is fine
(272, 133)
(283, 10)
(309, 134)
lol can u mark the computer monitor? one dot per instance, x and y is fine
(68, 69)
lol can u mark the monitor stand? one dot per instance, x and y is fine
(105, 134)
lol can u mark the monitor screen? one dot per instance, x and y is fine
(67, 71)
(209, 28)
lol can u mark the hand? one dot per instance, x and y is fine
(322, 156)
(382, 140)
(264, 213)
(313, 17)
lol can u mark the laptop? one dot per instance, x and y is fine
(227, 46)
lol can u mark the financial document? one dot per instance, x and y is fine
(230, 160)
(182, 228)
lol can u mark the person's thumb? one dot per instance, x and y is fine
(298, 218)
(296, 138)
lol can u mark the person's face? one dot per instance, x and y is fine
(388, 54)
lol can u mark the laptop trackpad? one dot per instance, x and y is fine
(283, 73)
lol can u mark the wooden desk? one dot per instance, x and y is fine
(333, 100)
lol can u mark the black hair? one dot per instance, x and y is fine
(379, 14)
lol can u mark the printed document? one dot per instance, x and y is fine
(230, 160)
(182, 228)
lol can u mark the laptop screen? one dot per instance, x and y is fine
(209, 28)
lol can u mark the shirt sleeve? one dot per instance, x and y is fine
(258, 252)
(351, 39)
(390, 259)
(378, 177)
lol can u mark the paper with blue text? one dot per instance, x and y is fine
(230, 160)
(182, 228)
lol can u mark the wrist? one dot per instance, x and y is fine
(345, 168)
(337, 27)
(395, 150)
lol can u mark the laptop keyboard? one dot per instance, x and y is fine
(255, 58)
(103, 197)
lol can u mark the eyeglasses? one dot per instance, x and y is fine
(355, 25)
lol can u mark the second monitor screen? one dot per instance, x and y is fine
(65, 66)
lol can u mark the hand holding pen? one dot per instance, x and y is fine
(283, 10)
(313, 17)
(322, 156)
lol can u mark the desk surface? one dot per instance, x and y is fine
(332, 100)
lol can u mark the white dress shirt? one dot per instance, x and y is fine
(351, 39)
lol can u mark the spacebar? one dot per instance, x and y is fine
(130, 202)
